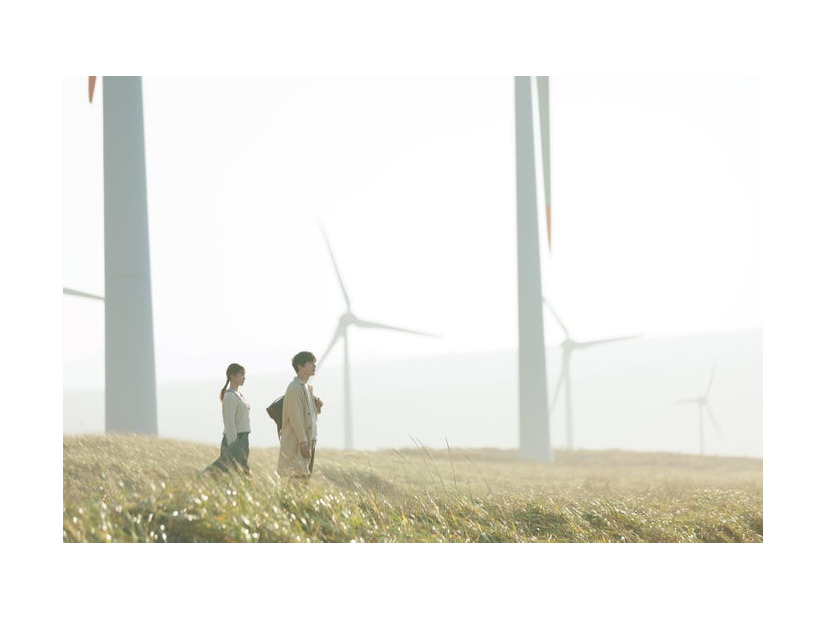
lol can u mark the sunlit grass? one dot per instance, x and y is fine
(141, 489)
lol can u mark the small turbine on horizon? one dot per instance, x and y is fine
(569, 345)
(702, 405)
(344, 322)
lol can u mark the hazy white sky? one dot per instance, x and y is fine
(656, 194)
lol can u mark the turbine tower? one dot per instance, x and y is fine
(703, 406)
(569, 345)
(130, 351)
(344, 322)
(534, 424)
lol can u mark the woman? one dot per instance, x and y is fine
(235, 444)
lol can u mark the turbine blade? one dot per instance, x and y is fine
(70, 291)
(562, 376)
(711, 378)
(371, 325)
(543, 97)
(336, 335)
(556, 316)
(335, 266)
(590, 343)
(714, 421)
(92, 79)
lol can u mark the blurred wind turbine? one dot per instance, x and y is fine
(344, 322)
(71, 291)
(569, 345)
(543, 96)
(702, 405)
(534, 423)
(129, 350)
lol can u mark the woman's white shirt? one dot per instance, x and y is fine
(236, 412)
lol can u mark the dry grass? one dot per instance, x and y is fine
(140, 489)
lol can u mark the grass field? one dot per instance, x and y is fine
(143, 489)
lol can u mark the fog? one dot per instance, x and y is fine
(622, 393)
(657, 231)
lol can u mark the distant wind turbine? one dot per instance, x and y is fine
(569, 345)
(702, 405)
(344, 322)
(130, 350)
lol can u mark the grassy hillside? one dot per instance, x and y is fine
(143, 489)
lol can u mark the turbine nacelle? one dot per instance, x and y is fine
(347, 319)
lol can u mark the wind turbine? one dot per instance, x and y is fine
(534, 424)
(130, 354)
(702, 405)
(344, 322)
(569, 345)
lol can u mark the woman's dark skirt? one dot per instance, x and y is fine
(234, 457)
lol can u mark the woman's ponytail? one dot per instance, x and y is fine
(232, 369)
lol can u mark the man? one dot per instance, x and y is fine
(299, 429)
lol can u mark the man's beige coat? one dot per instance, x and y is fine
(297, 427)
